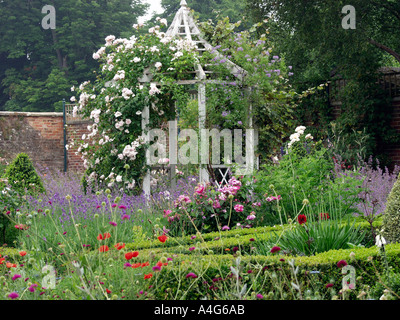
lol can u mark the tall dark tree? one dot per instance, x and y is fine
(311, 37)
(38, 66)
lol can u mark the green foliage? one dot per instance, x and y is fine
(305, 173)
(263, 91)
(312, 40)
(316, 237)
(22, 176)
(391, 218)
(37, 66)
(10, 201)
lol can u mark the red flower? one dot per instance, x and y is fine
(120, 246)
(22, 253)
(106, 235)
(324, 216)
(2, 260)
(148, 276)
(163, 238)
(159, 263)
(275, 249)
(130, 255)
(302, 219)
(108, 291)
(342, 263)
(11, 265)
(329, 285)
(145, 264)
(104, 248)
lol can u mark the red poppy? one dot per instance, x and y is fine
(163, 238)
(130, 255)
(106, 235)
(22, 253)
(302, 219)
(159, 264)
(108, 291)
(145, 264)
(2, 260)
(148, 276)
(11, 265)
(120, 246)
(104, 248)
(324, 216)
(136, 265)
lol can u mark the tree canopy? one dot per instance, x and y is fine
(38, 66)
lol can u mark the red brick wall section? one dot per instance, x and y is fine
(75, 131)
(40, 135)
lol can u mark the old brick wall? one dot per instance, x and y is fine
(75, 131)
(38, 134)
(41, 136)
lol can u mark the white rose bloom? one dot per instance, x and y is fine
(300, 129)
(309, 136)
(118, 114)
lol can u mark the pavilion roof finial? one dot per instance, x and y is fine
(183, 3)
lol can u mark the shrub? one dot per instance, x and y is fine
(391, 218)
(22, 176)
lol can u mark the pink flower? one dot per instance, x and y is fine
(191, 275)
(113, 223)
(167, 213)
(200, 189)
(216, 204)
(32, 287)
(191, 248)
(16, 277)
(13, 295)
(251, 217)
(225, 228)
(238, 208)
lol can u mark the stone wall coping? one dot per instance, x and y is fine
(31, 114)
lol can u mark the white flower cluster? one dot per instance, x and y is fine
(295, 137)
(120, 75)
(127, 93)
(95, 115)
(153, 89)
(129, 151)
